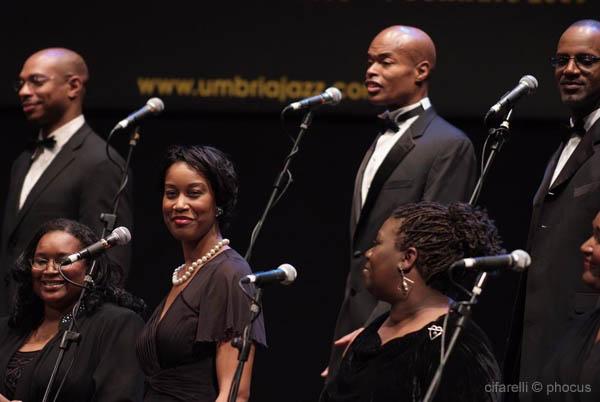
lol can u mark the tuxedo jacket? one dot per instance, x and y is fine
(561, 221)
(432, 161)
(79, 184)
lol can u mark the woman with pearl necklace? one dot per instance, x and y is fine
(185, 347)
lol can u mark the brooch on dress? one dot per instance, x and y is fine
(435, 331)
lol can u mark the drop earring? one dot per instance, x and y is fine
(406, 285)
(219, 212)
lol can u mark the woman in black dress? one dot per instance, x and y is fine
(395, 357)
(101, 366)
(185, 347)
(573, 371)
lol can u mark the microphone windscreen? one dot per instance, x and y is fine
(156, 105)
(521, 259)
(122, 235)
(336, 96)
(290, 273)
(530, 82)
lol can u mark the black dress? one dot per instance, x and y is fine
(402, 369)
(105, 368)
(178, 352)
(573, 372)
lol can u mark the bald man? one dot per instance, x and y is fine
(65, 173)
(417, 156)
(565, 204)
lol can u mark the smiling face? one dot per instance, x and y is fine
(189, 208)
(579, 84)
(48, 285)
(51, 87)
(591, 256)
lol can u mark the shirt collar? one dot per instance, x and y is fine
(64, 133)
(425, 102)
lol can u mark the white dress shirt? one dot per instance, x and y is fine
(571, 145)
(61, 135)
(385, 143)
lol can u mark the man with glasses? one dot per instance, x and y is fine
(65, 172)
(566, 201)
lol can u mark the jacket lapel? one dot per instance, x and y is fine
(543, 189)
(582, 153)
(357, 196)
(19, 172)
(402, 147)
(59, 163)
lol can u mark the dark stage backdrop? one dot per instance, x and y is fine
(225, 70)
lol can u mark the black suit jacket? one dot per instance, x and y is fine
(79, 184)
(432, 161)
(561, 221)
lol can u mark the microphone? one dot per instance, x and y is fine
(518, 260)
(285, 274)
(119, 237)
(153, 106)
(331, 96)
(527, 85)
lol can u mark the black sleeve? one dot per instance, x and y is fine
(118, 376)
(226, 307)
(98, 192)
(453, 173)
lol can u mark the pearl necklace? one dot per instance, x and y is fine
(196, 264)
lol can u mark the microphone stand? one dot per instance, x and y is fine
(109, 219)
(498, 136)
(244, 345)
(279, 182)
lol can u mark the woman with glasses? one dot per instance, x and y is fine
(395, 357)
(101, 364)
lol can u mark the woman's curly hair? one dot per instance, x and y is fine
(27, 309)
(444, 234)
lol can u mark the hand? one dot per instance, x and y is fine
(3, 399)
(344, 341)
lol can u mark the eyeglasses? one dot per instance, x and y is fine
(41, 264)
(583, 60)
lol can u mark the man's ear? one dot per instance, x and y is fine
(75, 86)
(423, 69)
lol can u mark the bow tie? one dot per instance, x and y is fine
(387, 122)
(38, 145)
(577, 129)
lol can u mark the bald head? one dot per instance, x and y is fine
(578, 74)
(401, 59)
(64, 61)
(52, 87)
(413, 41)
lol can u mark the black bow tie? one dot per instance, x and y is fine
(47, 142)
(387, 122)
(38, 145)
(575, 129)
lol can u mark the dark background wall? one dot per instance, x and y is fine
(484, 47)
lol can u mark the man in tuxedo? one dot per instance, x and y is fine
(417, 156)
(565, 204)
(65, 173)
